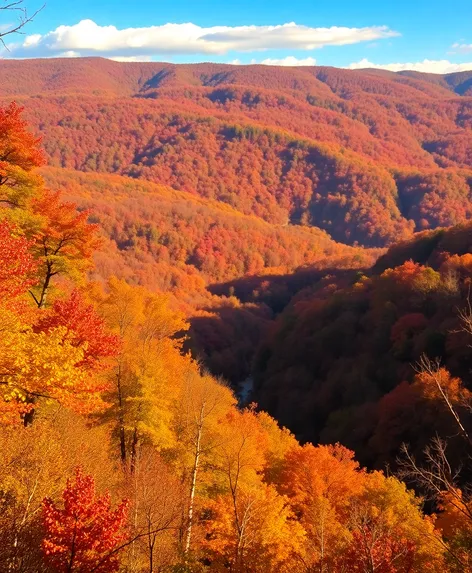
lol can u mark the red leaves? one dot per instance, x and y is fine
(16, 263)
(381, 552)
(407, 325)
(84, 329)
(84, 536)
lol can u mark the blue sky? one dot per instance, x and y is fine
(428, 35)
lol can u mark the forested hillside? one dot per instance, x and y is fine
(342, 361)
(368, 156)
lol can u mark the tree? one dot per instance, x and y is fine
(239, 461)
(35, 463)
(156, 507)
(149, 367)
(443, 477)
(202, 403)
(256, 531)
(437, 383)
(441, 482)
(20, 153)
(83, 536)
(389, 532)
(64, 242)
(320, 483)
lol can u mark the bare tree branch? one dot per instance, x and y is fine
(438, 480)
(433, 369)
(20, 11)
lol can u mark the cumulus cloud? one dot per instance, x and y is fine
(426, 66)
(88, 38)
(130, 58)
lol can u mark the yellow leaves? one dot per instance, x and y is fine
(255, 532)
(150, 368)
(39, 365)
(241, 455)
(390, 509)
(123, 306)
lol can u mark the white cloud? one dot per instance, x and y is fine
(69, 54)
(130, 58)
(426, 66)
(458, 48)
(88, 38)
(288, 61)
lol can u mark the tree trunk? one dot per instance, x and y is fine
(121, 418)
(193, 487)
(134, 451)
(41, 302)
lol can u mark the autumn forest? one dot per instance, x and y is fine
(235, 319)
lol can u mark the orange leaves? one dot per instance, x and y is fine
(455, 522)
(85, 534)
(47, 238)
(64, 242)
(64, 232)
(18, 147)
(355, 520)
(255, 532)
(320, 483)
(413, 276)
(321, 471)
(438, 383)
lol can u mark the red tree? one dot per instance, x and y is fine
(85, 535)
(17, 265)
(84, 328)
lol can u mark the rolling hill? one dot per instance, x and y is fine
(368, 156)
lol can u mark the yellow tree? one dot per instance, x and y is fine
(389, 532)
(36, 365)
(240, 459)
(203, 402)
(253, 532)
(148, 368)
(157, 503)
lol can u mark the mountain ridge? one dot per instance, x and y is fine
(151, 74)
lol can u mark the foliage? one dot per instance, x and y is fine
(84, 534)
